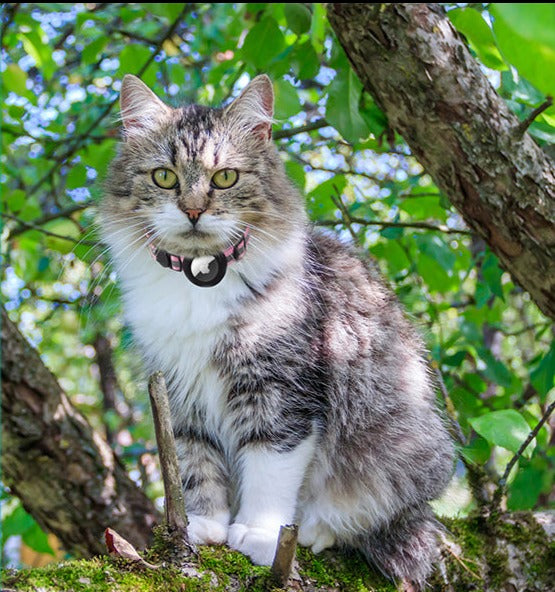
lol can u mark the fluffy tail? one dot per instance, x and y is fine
(406, 547)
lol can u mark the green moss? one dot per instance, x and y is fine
(347, 572)
(218, 569)
(98, 575)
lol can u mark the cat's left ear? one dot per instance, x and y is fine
(141, 110)
(253, 110)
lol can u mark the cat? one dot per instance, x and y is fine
(299, 391)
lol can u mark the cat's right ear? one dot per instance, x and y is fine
(141, 109)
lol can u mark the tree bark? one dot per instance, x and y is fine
(420, 72)
(64, 472)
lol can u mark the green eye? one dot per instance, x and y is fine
(164, 178)
(225, 178)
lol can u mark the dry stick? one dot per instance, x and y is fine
(503, 481)
(176, 518)
(285, 553)
(526, 123)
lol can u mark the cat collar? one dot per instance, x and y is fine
(205, 271)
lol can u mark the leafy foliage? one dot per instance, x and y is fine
(62, 66)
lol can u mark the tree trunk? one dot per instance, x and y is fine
(420, 72)
(65, 474)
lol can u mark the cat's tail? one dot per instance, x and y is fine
(406, 547)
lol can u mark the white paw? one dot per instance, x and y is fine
(206, 531)
(316, 535)
(257, 543)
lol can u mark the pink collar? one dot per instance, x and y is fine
(204, 271)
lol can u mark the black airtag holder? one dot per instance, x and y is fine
(216, 271)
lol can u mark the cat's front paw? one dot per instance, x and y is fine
(316, 535)
(257, 543)
(203, 530)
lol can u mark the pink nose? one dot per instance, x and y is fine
(193, 215)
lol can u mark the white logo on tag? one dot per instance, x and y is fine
(201, 265)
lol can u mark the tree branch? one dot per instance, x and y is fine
(385, 224)
(309, 127)
(460, 130)
(526, 123)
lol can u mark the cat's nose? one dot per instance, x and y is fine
(193, 215)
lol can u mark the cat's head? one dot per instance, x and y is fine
(192, 179)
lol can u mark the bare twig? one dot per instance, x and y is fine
(309, 127)
(501, 486)
(37, 222)
(526, 123)
(285, 554)
(346, 217)
(24, 226)
(176, 517)
(384, 224)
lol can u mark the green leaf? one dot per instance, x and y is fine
(298, 16)
(132, 58)
(505, 428)
(295, 171)
(264, 42)
(166, 10)
(14, 79)
(495, 370)
(319, 199)
(480, 37)
(342, 107)
(92, 50)
(433, 274)
(525, 488)
(16, 200)
(304, 61)
(492, 273)
(437, 249)
(37, 539)
(16, 522)
(533, 60)
(533, 21)
(543, 376)
(287, 100)
(65, 228)
(477, 451)
(77, 176)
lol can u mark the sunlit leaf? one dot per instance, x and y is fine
(263, 43)
(505, 428)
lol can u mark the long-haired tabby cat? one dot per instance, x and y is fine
(298, 389)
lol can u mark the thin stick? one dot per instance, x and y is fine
(176, 517)
(526, 123)
(503, 481)
(285, 554)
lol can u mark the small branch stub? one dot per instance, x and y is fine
(285, 553)
(176, 518)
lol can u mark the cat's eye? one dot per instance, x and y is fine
(225, 178)
(164, 178)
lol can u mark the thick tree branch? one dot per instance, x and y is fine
(64, 472)
(420, 72)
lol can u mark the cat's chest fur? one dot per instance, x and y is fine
(178, 326)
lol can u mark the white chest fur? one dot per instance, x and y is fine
(178, 325)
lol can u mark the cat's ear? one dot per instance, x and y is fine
(253, 110)
(141, 109)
